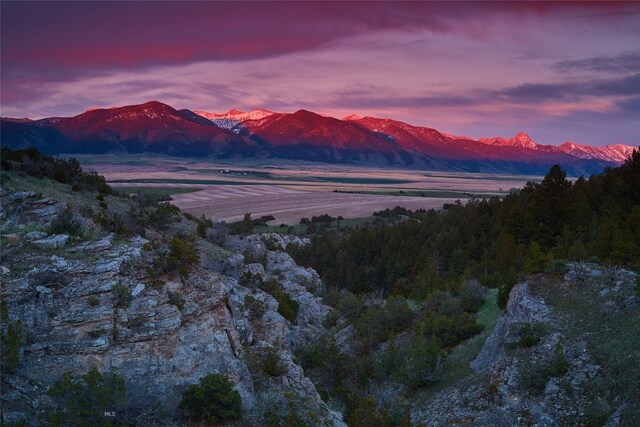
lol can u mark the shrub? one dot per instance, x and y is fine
(176, 299)
(203, 224)
(350, 306)
(536, 260)
(182, 256)
(250, 280)
(121, 295)
(64, 223)
(85, 402)
(471, 296)
(558, 267)
(244, 226)
(420, 362)
(529, 341)
(113, 222)
(530, 334)
(365, 414)
(163, 215)
(445, 320)
(66, 171)
(213, 400)
(93, 301)
(271, 364)
(322, 218)
(535, 375)
(287, 307)
(256, 307)
(560, 365)
(11, 343)
(503, 294)
(331, 319)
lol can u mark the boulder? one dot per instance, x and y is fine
(53, 242)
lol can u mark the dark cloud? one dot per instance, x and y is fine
(530, 93)
(630, 105)
(375, 101)
(540, 92)
(628, 62)
(629, 85)
(78, 36)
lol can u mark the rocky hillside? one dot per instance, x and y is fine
(115, 306)
(83, 295)
(565, 353)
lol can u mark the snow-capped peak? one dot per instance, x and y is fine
(232, 117)
(609, 153)
(520, 140)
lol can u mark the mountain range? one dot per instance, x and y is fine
(303, 135)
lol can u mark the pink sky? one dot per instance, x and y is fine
(559, 71)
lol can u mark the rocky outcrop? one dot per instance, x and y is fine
(52, 242)
(302, 284)
(91, 303)
(536, 367)
(523, 308)
(281, 241)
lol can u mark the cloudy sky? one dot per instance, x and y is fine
(558, 71)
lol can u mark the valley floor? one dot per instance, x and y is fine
(290, 191)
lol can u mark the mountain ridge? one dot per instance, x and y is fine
(302, 135)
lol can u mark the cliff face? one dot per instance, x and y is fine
(91, 302)
(551, 359)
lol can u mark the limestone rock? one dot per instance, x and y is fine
(99, 310)
(281, 241)
(35, 235)
(94, 246)
(524, 308)
(22, 195)
(52, 242)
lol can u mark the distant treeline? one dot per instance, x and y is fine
(67, 171)
(495, 240)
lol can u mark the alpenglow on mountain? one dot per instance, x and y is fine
(303, 135)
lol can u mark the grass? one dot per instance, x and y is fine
(183, 181)
(62, 192)
(457, 363)
(613, 339)
(157, 193)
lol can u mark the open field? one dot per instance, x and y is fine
(290, 191)
(230, 203)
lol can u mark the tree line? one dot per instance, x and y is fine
(492, 239)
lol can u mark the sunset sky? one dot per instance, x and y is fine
(558, 71)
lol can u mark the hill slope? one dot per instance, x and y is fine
(563, 353)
